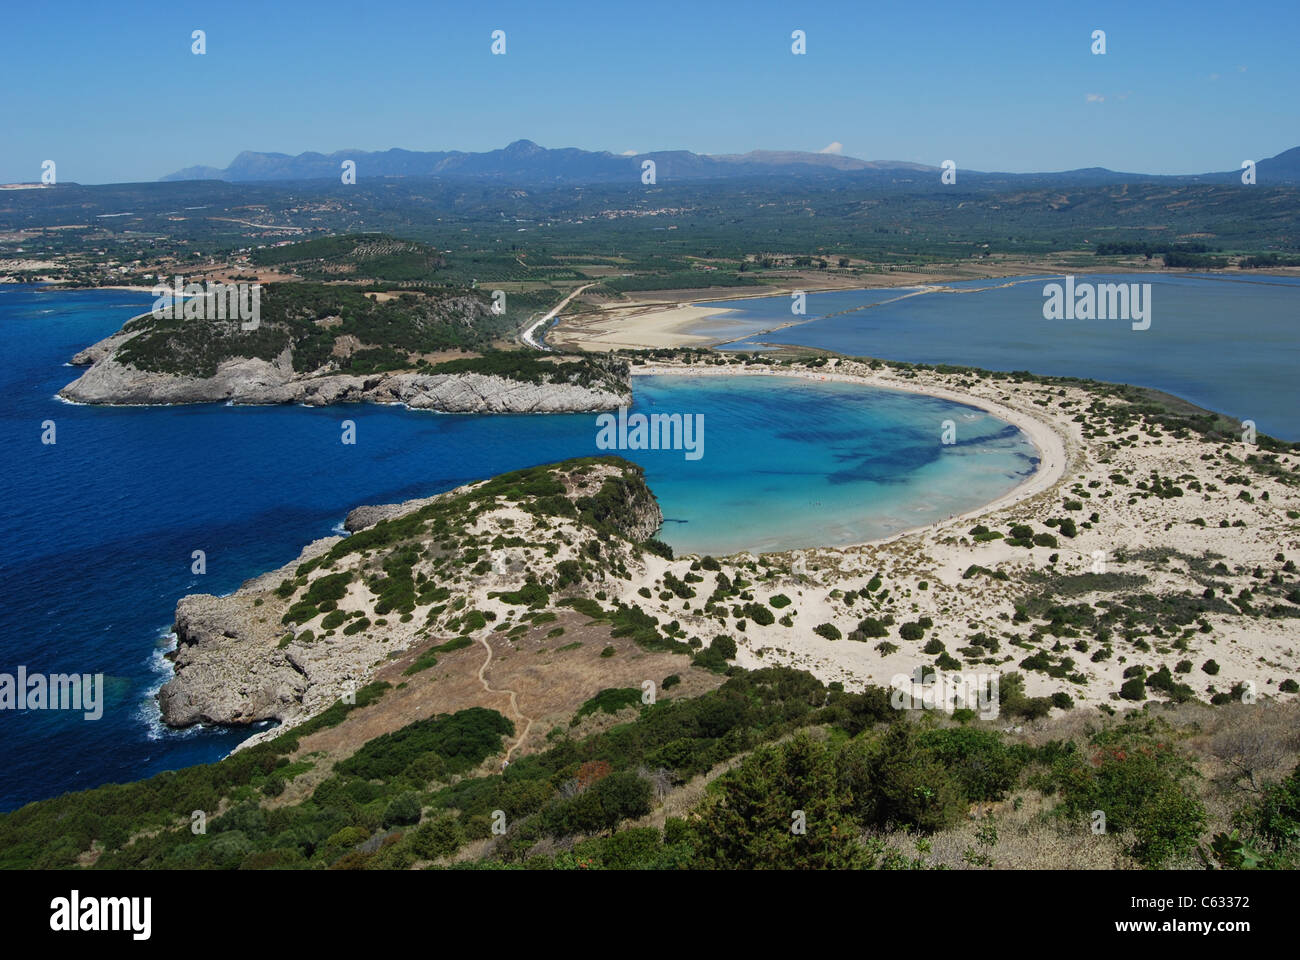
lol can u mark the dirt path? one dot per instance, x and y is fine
(514, 701)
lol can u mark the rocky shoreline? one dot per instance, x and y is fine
(237, 663)
(252, 381)
(228, 670)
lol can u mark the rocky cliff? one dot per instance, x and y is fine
(319, 345)
(291, 642)
(258, 381)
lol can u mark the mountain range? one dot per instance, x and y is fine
(526, 162)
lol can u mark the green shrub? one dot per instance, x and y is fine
(659, 548)
(1012, 700)
(1134, 688)
(894, 782)
(463, 739)
(745, 821)
(402, 810)
(437, 838)
(609, 700)
(602, 806)
(532, 594)
(1139, 783)
(984, 767)
(872, 628)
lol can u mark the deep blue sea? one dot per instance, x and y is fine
(1230, 343)
(101, 525)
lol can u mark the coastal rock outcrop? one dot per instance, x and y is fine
(254, 381)
(292, 641)
(132, 367)
(367, 516)
(222, 672)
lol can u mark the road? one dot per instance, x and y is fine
(529, 334)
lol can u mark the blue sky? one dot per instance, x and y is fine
(111, 92)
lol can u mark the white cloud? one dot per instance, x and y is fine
(628, 153)
(833, 147)
(1214, 76)
(1095, 98)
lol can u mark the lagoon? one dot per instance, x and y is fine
(1227, 342)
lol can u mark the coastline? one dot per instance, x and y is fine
(648, 325)
(668, 323)
(923, 564)
(937, 572)
(1054, 456)
(1155, 541)
(941, 572)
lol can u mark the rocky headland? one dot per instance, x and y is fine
(289, 643)
(252, 380)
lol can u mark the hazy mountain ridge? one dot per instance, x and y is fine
(524, 160)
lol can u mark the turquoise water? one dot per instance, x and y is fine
(1230, 343)
(100, 526)
(793, 463)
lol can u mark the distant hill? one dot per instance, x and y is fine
(526, 162)
(1284, 168)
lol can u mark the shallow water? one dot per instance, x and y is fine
(793, 463)
(1230, 343)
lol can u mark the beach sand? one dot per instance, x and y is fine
(1167, 542)
(636, 326)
